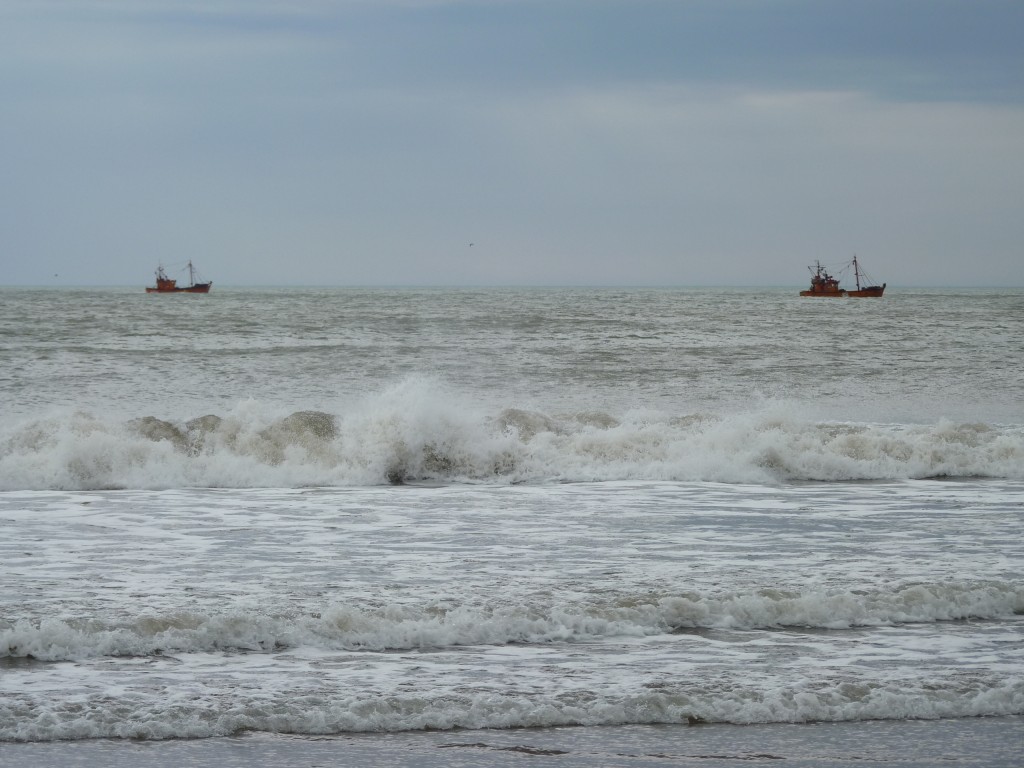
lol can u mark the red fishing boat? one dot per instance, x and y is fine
(165, 284)
(823, 284)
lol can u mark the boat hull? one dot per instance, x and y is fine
(868, 292)
(838, 293)
(872, 291)
(197, 288)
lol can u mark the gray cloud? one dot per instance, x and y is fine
(640, 142)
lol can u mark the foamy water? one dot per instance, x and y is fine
(325, 512)
(415, 433)
(200, 613)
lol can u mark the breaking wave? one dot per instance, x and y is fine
(417, 433)
(307, 705)
(24, 717)
(403, 627)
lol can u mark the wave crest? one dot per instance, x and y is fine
(24, 717)
(416, 433)
(403, 627)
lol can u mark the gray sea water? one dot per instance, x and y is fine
(555, 526)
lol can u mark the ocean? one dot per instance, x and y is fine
(520, 526)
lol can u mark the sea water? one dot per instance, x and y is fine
(645, 524)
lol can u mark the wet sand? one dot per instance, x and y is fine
(996, 742)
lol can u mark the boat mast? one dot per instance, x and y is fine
(856, 270)
(192, 278)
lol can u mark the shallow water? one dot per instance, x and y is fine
(361, 609)
(392, 518)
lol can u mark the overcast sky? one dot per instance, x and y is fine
(490, 142)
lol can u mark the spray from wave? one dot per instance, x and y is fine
(420, 432)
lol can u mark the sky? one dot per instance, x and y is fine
(511, 142)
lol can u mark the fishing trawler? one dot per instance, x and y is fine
(824, 284)
(165, 284)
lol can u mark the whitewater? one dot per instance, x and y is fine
(645, 525)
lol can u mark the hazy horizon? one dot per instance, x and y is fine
(890, 288)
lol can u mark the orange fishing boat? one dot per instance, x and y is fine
(165, 284)
(823, 284)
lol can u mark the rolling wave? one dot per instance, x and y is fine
(411, 435)
(402, 627)
(25, 717)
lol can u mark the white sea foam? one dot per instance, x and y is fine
(418, 431)
(698, 579)
(401, 627)
(754, 699)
